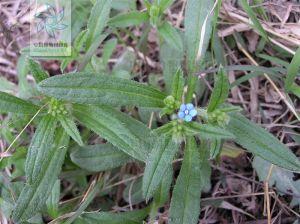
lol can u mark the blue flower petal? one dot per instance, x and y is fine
(181, 114)
(193, 112)
(182, 107)
(188, 118)
(190, 106)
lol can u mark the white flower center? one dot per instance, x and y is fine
(186, 112)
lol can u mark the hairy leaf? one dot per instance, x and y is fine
(34, 195)
(207, 131)
(6, 86)
(10, 103)
(261, 143)
(124, 132)
(131, 217)
(195, 14)
(53, 200)
(157, 164)
(40, 148)
(37, 71)
(178, 85)
(161, 195)
(215, 148)
(71, 128)
(171, 36)
(99, 157)
(171, 60)
(101, 89)
(133, 18)
(220, 91)
(292, 72)
(185, 203)
(97, 21)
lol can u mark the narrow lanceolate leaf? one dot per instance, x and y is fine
(261, 143)
(40, 147)
(124, 132)
(10, 103)
(292, 72)
(220, 91)
(215, 148)
(53, 200)
(37, 71)
(157, 164)
(134, 18)
(178, 85)
(256, 24)
(101, 89)
(162, 194)
(171, 36)
(207, 131)
(132, 217)
(34, 195)
(185, 203)
(164, 4)
(98, 158)
(195, 17)
(71, 128)
(97, 21)
(171, 60)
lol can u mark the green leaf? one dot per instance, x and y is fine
(259, 9)
(37, 71)
(133, 18)
(157, 164)
(97, 21)
(108, 49)
(171, 60)
(261, 143)
(124, 5)
(185, 203)
(256, 24)
(6, 86)
(197, 26)
(292, 73)
(10, 103)
(71, 128)
(34, 195)
(91, 51)
(178, 85)
(124, 132)
(207, 131)
(220, 91)
(162, 194)
(39, 149)
(215, 148)
(99, 157)
(131, 217)
(80, 40)
(89, 88)
(295, 89)
(164, 4)
(171, 36)
(53, 200)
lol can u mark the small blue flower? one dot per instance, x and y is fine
(187, 112)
